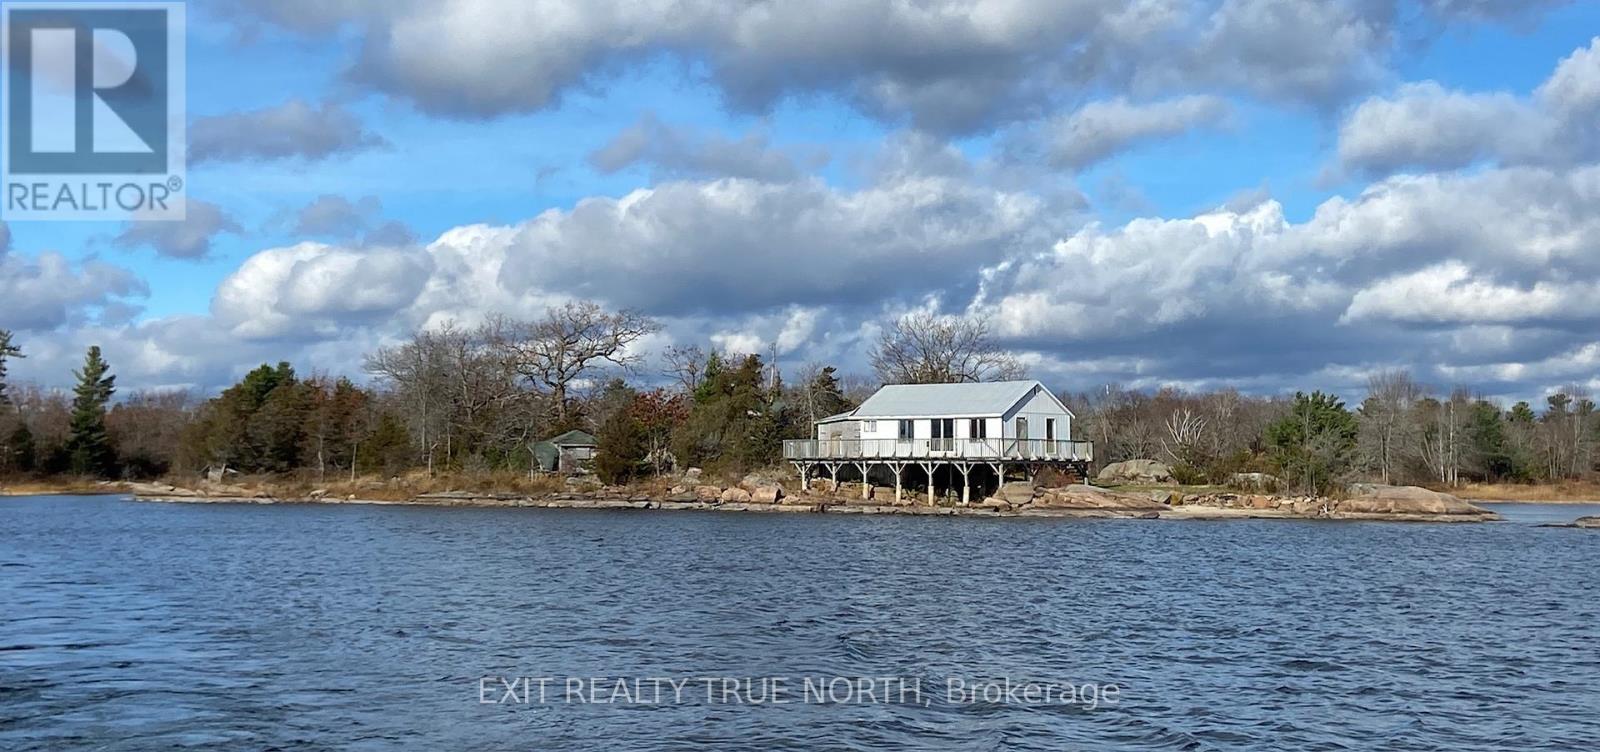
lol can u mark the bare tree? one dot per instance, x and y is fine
(569, 343)
(922, 348)
(417, 371)
(1186, 433)
(1442, 438)
(686, 364)
(1386, 419)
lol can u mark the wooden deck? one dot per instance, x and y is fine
(962, 456)
(977, 450)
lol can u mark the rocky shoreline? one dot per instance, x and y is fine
(1388, 503)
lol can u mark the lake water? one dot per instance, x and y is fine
(128, 625)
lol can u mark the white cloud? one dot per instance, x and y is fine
(40, 293)
(189, 238)
(1424, 125)
(941, 65)
(1452, 293)
(312, 290)
(294, 129)
(1101, 129)
(673, 151)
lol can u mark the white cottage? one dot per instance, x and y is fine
(959, 426)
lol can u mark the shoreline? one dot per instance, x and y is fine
(1080, 502)
(812, 505)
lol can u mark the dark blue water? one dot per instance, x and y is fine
(151, 626)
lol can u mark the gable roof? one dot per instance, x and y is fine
(948, 400)
(573, 438)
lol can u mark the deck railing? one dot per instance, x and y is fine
(954, 449)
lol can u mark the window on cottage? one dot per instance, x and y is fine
(869, 426)
(905, 429)
(1050, 429)
(978, 428)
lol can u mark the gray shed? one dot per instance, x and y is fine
(571, 452)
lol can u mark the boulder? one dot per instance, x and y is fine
(822, 486)
(1308, 505)
(767, 494)
(692, 474)
(707, 493)
(1016, 493)
(1374, 498)
(735, 495)
(770, 477)
(1135, 471)
(996, 503)
(1090, 497)
(678, 490)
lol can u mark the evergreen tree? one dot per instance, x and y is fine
(7, 350)
(620, 456)
(1491, 450)
(734, 424)
(388, 449)
(1314, 443)
(88, 443)
(21, 455)
(829, 395)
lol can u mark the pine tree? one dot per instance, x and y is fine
(88, 443)
(1313, 444)
(621, 454)
(7, 350)
(23, 455)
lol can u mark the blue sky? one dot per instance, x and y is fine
(1224, 192)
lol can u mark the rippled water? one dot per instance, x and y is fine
(145, 626)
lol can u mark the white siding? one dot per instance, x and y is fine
(1038, 408)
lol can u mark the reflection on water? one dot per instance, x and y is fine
(149, 626)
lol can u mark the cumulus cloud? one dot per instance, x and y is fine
(189, 238)
(294, 129)
(313, 290)
(358, 223)
(677, 152)
(1424, 125)
(1452, 293)
(948, 66)
(335, 216)
(1099, 130)
(738, 245)
(48, 291)
(1392, 276)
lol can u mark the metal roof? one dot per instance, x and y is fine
(836, 418)
(945, 400)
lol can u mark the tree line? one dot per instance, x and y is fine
(1402, 432)
(476, 399)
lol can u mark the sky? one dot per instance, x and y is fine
(1264, 194)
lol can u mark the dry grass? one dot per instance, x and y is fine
(63, 486)
(1563, 492)
(399, 488)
